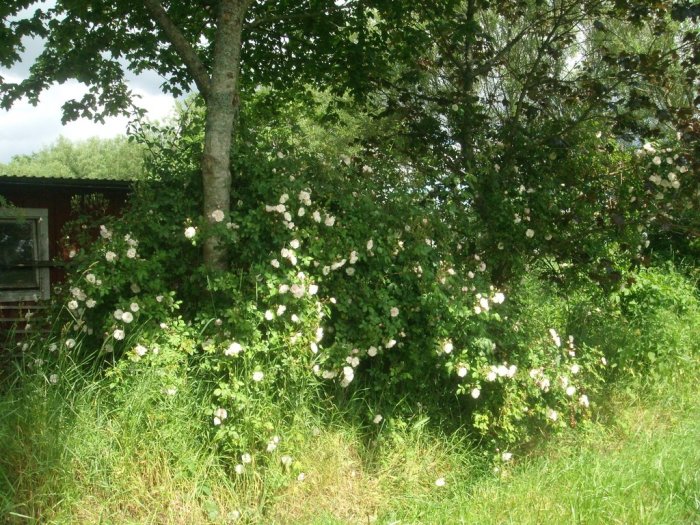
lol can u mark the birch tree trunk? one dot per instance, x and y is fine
(222, 107)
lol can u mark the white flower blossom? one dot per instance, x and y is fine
(70, 343)
(127, 317)
(258, 376)
(118, 334)
(329, 221)
(134, 307)
(506, 456)
(269, 316)
(140, 350)
(104, 232)
(394, 312)
(217, 215)
(529, 233)
(131, 253)
(377, 419)
(390, 344)
(370, 245)
(440, 482)
(233, 349)
(583, 401)
(190, 232)
(570, 390)
(110, 256)
(372, 351)
(462, 371)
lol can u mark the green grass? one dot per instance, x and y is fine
(640, 465)
(84, 452)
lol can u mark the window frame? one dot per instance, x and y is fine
(41, 216)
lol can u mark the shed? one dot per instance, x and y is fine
(31, 257)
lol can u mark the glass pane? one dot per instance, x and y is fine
(18, 246)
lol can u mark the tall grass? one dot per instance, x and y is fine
(89, 450)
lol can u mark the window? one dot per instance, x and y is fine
(24, 254)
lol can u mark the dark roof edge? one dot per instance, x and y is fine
(87, 184)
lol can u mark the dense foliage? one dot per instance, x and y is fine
(455, 236)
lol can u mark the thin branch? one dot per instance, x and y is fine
(182, 47)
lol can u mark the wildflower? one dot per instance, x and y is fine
(297, 290)
(301, 476)
(377, 419)
(656, 160)
(491, 375)
(350, 271)
(555, 337)
(233, 349)
(372, 351)
(305, 197)
(583, 401)
(476, 393)
(440, 482)
(295, 318)
(390, 344)
(171, 391)
(190, 232)
(477, 310)
(275, 263)
(484, 304)
(159, 298)
(140, 350)
(70, 343)
(348, 376)
(131, 253)
(53, 379)
(317, 216)
(110, 256)
(91, 278)
(90, 303)
(330, 220)
(219, 415)
(552, 414)
(53, 347)
(73, 305)
(258, 376)
(604, 361)
(246, 459)
(104, 232)
(118, 334)
(313, 289)
(529, 233)
(239, 469)
(370, 245)
(575, 369)
(286, 461)
(281, 309)
(394, 312)
(498, 298)
(462, 371)
(507, 456)
(134, 307)
(447, 347)
(319, 334)
(314, 347)
(295, 244)
(127, 317)
(269, 316)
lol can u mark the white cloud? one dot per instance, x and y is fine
(26, 128)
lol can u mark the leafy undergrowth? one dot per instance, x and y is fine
(85, 450)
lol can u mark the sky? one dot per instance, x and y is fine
(26, 128)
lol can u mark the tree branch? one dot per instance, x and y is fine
(182, 47)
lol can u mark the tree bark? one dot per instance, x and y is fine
(222, 107)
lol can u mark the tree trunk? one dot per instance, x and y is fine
(222, 107)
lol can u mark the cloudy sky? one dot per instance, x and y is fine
(26, 128)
